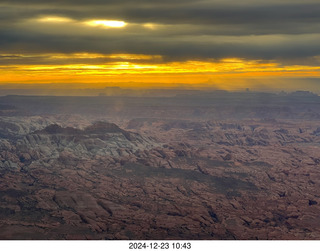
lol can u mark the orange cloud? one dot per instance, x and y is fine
(142, 71)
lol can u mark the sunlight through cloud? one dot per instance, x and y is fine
(55, 19)
(107, 23)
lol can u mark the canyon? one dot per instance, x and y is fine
(219, 166)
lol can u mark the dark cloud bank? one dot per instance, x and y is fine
(187, 29)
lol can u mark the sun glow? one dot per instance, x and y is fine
(107, 23)
(95, 69)
(55, 19)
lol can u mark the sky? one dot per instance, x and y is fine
(210, 44)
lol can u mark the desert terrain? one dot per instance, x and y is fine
(202, 166)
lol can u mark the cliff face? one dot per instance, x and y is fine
(99, 139)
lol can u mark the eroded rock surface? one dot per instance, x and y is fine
(159, 179)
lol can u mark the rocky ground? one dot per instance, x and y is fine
(70, 177)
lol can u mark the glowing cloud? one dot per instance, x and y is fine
(54, 19)
(146, 71)
(107, 23)
(150, 26)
